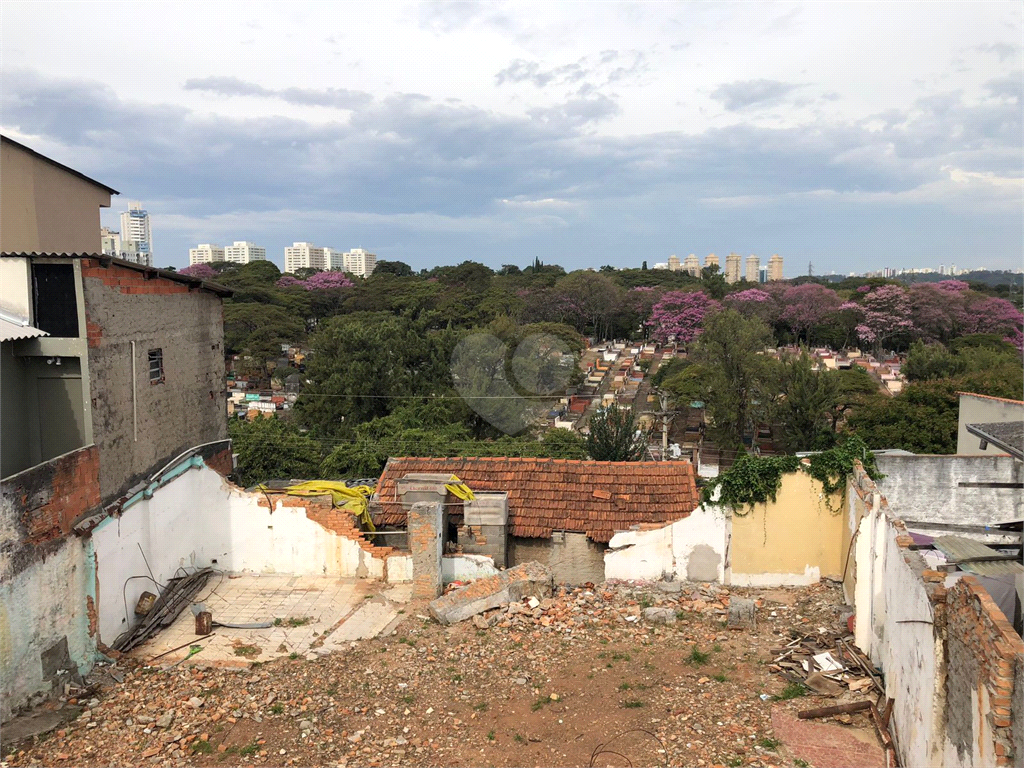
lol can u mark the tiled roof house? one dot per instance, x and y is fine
(596, 498)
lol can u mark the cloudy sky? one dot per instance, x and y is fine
(854, 135)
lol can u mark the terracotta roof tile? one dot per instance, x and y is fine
(592, 497)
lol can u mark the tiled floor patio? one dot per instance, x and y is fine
(310, 609)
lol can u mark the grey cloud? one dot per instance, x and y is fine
(1010, 86)
(595, 72)
(1003, 50)
(744, 94)
(577, 112)
(338, 98)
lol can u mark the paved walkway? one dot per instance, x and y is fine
(826, 745)
(306, 610)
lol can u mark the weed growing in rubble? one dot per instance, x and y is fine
(278, 708)
(247, 650)
(624, 686)
(698, 657)
(791, 691)
(717, 648)
(621, 657)
(768, 743)
(490, 735)
(539, 703)
(800, 763)
(645, 602)
(720, 678)
(293, 656)
(519, 738)
(481, 706)
(632, 704)
(203, 747)
(408, 698)
(734, 762)
(252, 749)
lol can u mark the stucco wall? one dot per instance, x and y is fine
(572, 557)
(694, 548)
(975, 409)
(198, 519)
(187, 408)
(44, 209)
(795, 540)
(931, 488)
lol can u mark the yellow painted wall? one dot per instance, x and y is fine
(796, 536)
(44, 209)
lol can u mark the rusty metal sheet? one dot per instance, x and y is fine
(958, 548)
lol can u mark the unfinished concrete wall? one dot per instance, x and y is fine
(485, 527)
(47, 590)
(984, 702)
(572, 557)
(694, 548)
(959, 490)
(140, 424)
(979, 409)
(795, 540)
(466, 568)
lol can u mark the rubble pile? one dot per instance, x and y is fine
(649, 671)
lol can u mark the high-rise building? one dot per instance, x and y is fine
(775, 267)
(244, 252)
(732, 268)
(136, 228)
(110, 242)
(304, 256)
(753, 265)
(674, 265)
(360, 262)
(691, 264)
(763, 275)
(205, 253)
(711, 261)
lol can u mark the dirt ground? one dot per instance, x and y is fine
(583, 680)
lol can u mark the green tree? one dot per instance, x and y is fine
(805, 410)
(397, 268)
(713, 282)
(614, 436)
(272, 449)
(736, 375)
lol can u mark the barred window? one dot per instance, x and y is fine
(156, 366)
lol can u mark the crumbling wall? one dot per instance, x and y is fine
(694, 548)
(186, 408)
(47, 599)
(199, 519)
(983, 697)
(572, 557)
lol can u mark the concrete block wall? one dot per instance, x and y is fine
(187, 408)
(572, 557)
(984, 704)
(426, 543)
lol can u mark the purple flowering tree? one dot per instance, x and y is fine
(887, 315)
(806, 306)
(680, 316)
(327, 281)
(938, 309)
(289, 281)
(202, 271)
(754, 302)
(988, 314)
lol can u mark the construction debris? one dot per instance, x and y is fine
(178, 594)
(826, 663)
(528, 579)
(842, 709)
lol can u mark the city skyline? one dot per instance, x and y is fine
(500, 133)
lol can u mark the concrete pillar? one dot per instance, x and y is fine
(426, 544)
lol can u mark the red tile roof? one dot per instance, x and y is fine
(597, 498)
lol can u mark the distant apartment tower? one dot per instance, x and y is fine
(711, 261)
(205, 253)
(244, 252)
(136, 228)
(691, 265)
(110, 242)
(304, 256)
(674, 265)
(732, 268)
(753, 265)
(360, 262)
(775, 267)
(762, 275)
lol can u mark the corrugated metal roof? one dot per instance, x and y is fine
(10, 330)
(959, 548)
(1007, 436)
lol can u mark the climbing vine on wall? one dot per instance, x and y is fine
(756, 480)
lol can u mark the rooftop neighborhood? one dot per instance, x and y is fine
(697, 604)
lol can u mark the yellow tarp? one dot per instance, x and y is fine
(355, 499)
(459, 488)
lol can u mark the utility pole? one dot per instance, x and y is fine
(666, 415)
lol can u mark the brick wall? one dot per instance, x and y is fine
(321, 511)
(184, 409)
(425, 542)
(982, 652)
(51, 496)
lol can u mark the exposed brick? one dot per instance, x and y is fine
(56, 493)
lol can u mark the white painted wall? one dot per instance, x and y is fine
(39, 606)
(466, 568)
(198, 520)
(668, 550)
